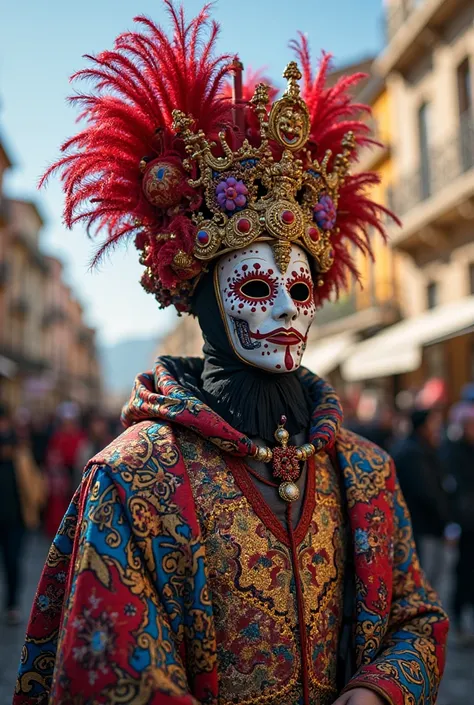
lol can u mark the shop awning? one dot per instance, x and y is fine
(325, 355)
(399, 349)
(8, 368)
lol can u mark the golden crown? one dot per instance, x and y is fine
(252, 195)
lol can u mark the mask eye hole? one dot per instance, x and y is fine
(300, 292)
(256, 289)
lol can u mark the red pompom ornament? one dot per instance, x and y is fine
(163, 183)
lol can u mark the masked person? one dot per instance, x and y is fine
(234, 545)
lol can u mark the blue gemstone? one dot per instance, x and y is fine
(203, 237)
(161, 172)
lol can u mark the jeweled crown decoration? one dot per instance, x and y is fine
(255, 193)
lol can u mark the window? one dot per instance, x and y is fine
(424, 140)
(471, 278)
(466, 142)
(464, 78)
(432, 295)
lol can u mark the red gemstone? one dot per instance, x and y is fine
(288, 217)
(314, 234)
(244, 225)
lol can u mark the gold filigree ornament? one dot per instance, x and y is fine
(251, 196)
(182, 260)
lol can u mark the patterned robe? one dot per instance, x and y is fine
(171, 581)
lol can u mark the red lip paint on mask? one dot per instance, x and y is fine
(288, 359)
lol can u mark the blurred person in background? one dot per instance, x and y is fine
(68, 436)
(432, 395)
(349, 403)
(97, 437)
(40, 434)
(467, 393)
(457, 454)
(374, 419)
(21, 498)
(421, 478)
(61, 462)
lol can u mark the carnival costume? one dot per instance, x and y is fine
(172, 578)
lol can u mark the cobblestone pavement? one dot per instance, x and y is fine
(457, 687)
(12, 638)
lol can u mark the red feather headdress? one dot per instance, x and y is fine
(136, 169)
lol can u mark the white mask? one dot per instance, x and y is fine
(267, 314)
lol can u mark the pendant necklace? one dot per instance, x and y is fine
(285, 461)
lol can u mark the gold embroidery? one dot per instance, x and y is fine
(251, 578)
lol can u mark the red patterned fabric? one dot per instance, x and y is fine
(165, 562)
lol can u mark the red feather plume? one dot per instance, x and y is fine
(128, 141)
(128, 115)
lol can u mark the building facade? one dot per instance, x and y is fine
(371, 304)
(26, 270)
(47, 351)
(428, 67)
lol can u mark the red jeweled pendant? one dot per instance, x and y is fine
(285, 461)
(285, 464)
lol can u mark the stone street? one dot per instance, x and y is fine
(456, 689)
(11, 638)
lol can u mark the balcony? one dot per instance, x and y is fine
(31, 246)
(440, 190)
(55, 314)
(85, 337)
(20, 306)
(395, 17)
(411, 28)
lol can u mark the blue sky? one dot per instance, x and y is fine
(41, 45)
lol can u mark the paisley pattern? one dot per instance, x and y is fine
(165, 583)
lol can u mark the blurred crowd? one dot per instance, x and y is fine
(42, 460)
(432, 444)
(41, 465)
